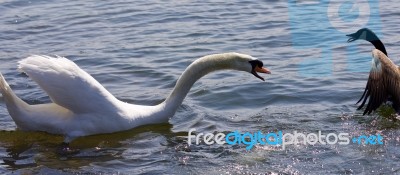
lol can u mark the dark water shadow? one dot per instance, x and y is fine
(35, 149)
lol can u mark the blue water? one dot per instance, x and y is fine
(137, 50)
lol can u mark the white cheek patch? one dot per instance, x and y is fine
(363, 35)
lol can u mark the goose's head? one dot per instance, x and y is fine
(249, 64)
(364, 33)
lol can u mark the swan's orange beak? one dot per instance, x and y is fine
(262, 70)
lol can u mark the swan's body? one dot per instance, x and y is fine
(82, 106)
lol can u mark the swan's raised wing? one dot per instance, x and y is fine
(67, 84)
(383, 81)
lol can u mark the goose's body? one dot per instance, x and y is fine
(383, 82)
(82, 106)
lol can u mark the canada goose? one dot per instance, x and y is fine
(383, 82)
(369, 35)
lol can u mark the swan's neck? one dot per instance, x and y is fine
(193, 72)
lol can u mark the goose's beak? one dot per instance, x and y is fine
(352, 37)
(260, 70)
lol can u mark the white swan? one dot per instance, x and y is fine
(82, 106)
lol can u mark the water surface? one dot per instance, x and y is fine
(137, 50)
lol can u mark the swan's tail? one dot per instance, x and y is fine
(14, 103)
(4, 87)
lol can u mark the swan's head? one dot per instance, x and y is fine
(250, 64)
(257, 66)
(364, 33)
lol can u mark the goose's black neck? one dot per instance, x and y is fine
(379, 45)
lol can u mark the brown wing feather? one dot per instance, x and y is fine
(383, 82)
(375, 91)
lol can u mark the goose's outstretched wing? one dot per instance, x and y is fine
(383, 81)
(67, 84)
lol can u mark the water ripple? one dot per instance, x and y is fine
(138, 50)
